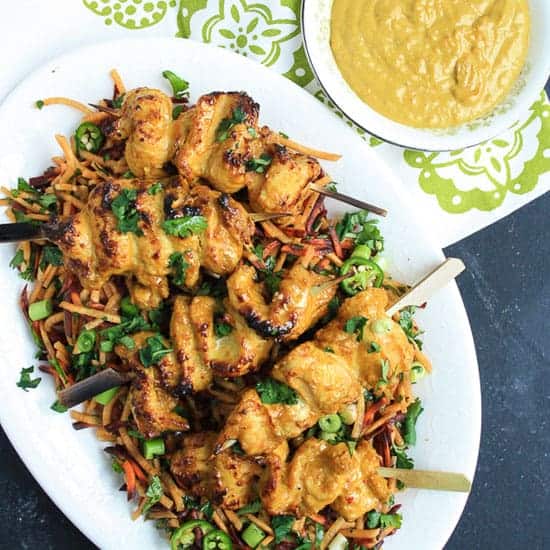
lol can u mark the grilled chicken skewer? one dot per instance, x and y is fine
(219, 140)
(141, 232)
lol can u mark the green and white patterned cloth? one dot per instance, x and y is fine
(458, 192)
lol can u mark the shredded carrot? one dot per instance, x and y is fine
(119, 84)
(69, 102)
(130, 477)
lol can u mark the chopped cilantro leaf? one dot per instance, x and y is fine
(155, 188)
(237, 117)
(406, 322)
(153, 351)
(51, 255)
(253, 508)
(25, 381)
(222, 329)
(390, 520)
(39, 104)
(58, 407)
(362, 230)
(180, 86)
(409, 426)
(154, 493)
(402, 459)
(18, 259)
(356, 325)
(124, 209)
(282, 526)
(272, 391)
(260, 164)
(118, 101)
(179, 267)
(184, 226)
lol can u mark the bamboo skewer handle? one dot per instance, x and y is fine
(429, 285)
(348, 200)
(426, 479)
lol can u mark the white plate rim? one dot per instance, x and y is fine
(19, 442)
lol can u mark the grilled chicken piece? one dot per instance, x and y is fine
(202, 155)
(152, 405)
(321, 379)
(366, 364)
(299, 303)
(323, 383)
(326, 374)
(284, 188)
(235, 354)
(229, 228)
(146, 124)
(227, 479)
(191, 465)
(198, 353)
(201, 354)
(196, 375)
(321, 474)
(236, 480)
(251, 425)
(96, 250)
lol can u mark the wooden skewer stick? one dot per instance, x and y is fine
(91, 386)
(429, 285)
(316, 290)
(263, 217)
(425, 479)
(108, 110)
(348, 200)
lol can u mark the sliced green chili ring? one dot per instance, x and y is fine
(184, 537)
(217, 540)
(89, 137)
(330, 423)
(381, 326)
(85, 341)
(367, 273)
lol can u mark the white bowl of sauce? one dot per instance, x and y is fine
(430, 74)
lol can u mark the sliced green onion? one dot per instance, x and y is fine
(105, 397)
(253, 535)
(328, 436)
(153, 447)
(330, 423)
(380, 326)
(40, 310)
(348, 414)
(418, 372)
(85, 342)
(339, 542)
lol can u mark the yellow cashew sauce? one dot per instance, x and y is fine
(431, 63)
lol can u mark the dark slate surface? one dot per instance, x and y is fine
(506, 291)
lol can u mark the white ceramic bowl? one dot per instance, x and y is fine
(316, 16)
